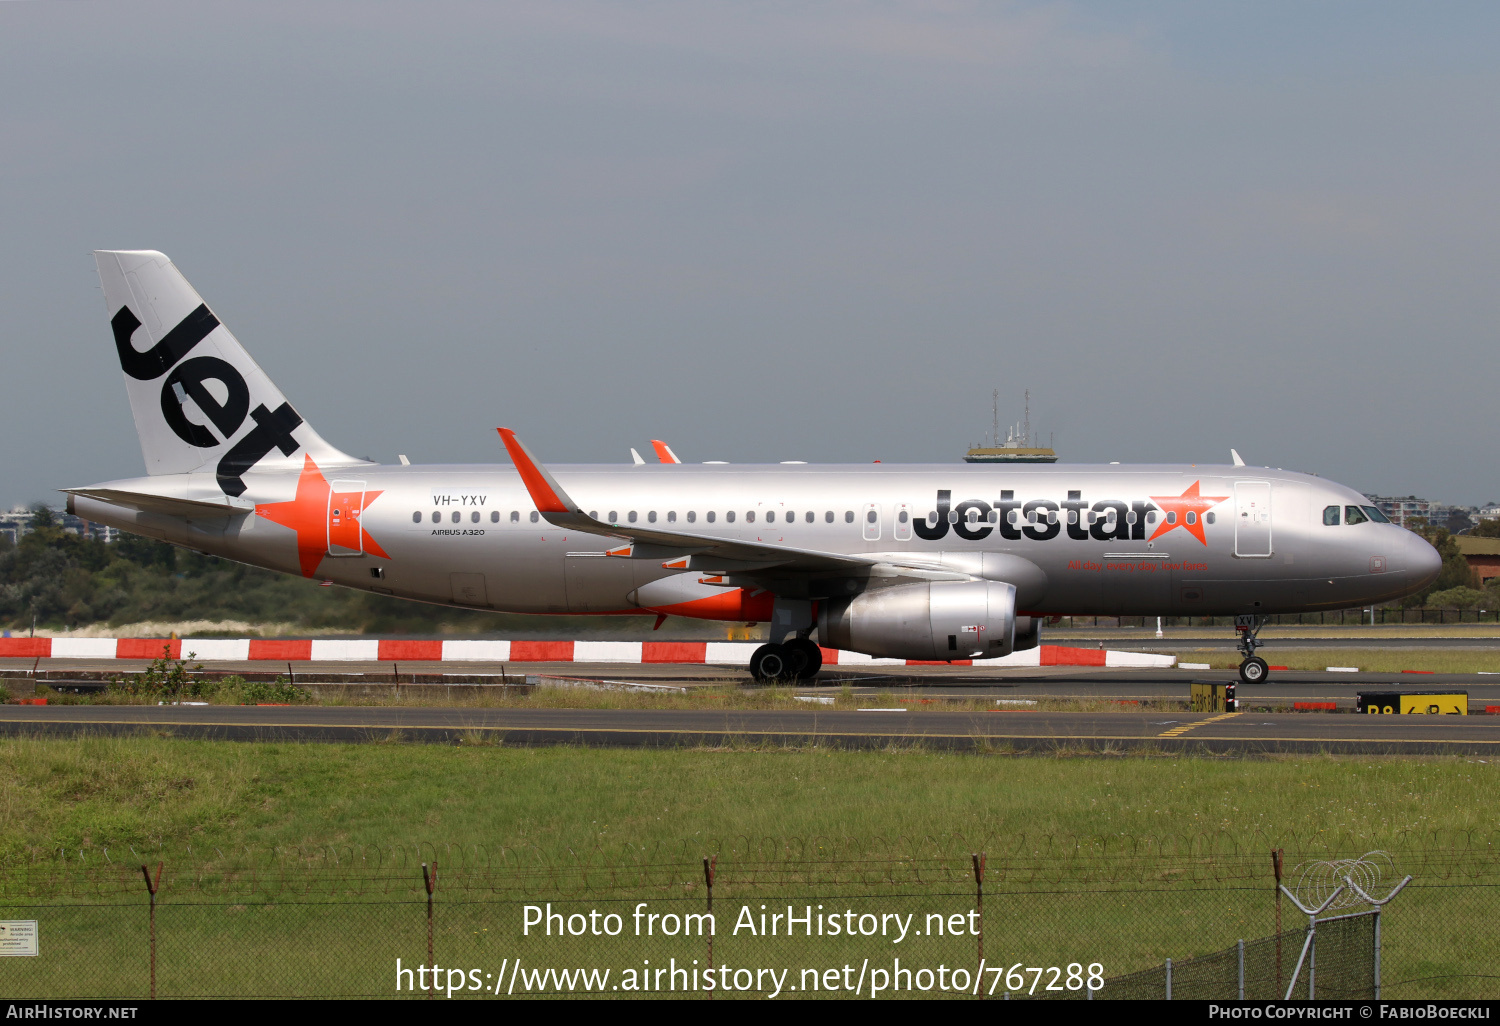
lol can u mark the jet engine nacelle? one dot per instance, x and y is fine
(937, 621)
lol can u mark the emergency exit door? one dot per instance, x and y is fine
(346, 504)
(1252, 519)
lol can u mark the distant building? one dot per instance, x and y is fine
(1483, 555)
(16, 524)
(1400, 509)
(1016, 448)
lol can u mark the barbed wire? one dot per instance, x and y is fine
(745, 864)
(1319, 880)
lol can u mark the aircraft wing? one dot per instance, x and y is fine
(686, 551)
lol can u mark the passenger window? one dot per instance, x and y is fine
(692, 517)
(1354, 515)
(770, 516)
(1130, 517)
(1172, 517)
(1072, 516)
(1151, 517)
(436, 517)
(849, 516)
(1192, 517)
(750, 517)
(456, 516)
(902, 517)
(416, 517)
(1330, 516)
(671, 516)
(828, 517)
(474, 517)
(631, 516)
(953, 516)
(1208, 517)
(728, 516)
(593, 514)
(515, 516)
(870, 517)
(495, 516)
(614, 516)
(711, 515)
(651, 517)
(535, 516)
(1013, 517)
(808, 516)
(1376, 515)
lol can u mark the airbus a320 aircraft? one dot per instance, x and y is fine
(927, 562)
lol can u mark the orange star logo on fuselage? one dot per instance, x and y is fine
(321, 516)
(1189, 508)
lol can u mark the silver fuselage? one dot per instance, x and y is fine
(470, 535)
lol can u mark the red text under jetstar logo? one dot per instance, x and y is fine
(322, 518)
(1185, 511)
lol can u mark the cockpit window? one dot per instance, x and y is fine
(1376, 515)
(1354, 515)
(1330, 516)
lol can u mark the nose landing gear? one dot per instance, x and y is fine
(1253, 669)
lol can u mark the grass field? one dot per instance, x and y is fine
(150, 792)
(183, 800)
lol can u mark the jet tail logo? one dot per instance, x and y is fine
(189, 379)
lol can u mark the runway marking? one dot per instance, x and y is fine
(1179, 731)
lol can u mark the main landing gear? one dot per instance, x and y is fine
(797, 659)
(1253, 669)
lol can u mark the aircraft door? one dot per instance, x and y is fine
(870, 519)
(1252, 519)
(902, 528)
(346, 503)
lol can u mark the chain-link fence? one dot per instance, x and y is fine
(801, 917)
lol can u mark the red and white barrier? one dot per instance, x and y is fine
(718, 653)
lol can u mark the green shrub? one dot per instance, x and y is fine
(165, 679)
(236, 690)
(1457, 598)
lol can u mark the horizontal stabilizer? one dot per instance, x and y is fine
(148, 497)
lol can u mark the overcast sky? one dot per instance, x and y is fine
(775, 231)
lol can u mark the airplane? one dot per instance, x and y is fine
(932, 562)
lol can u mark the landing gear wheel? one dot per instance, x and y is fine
(770, 664)
(1254, 670)
(805, 658)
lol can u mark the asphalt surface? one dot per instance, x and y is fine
(961, 682)
(1002, 730)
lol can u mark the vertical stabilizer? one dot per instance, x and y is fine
(200, 402)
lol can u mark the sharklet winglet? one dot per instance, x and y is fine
(545, 491)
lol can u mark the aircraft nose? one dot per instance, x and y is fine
(1422, 560)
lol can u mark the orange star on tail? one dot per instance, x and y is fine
(1189, 503)
(317, 520)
